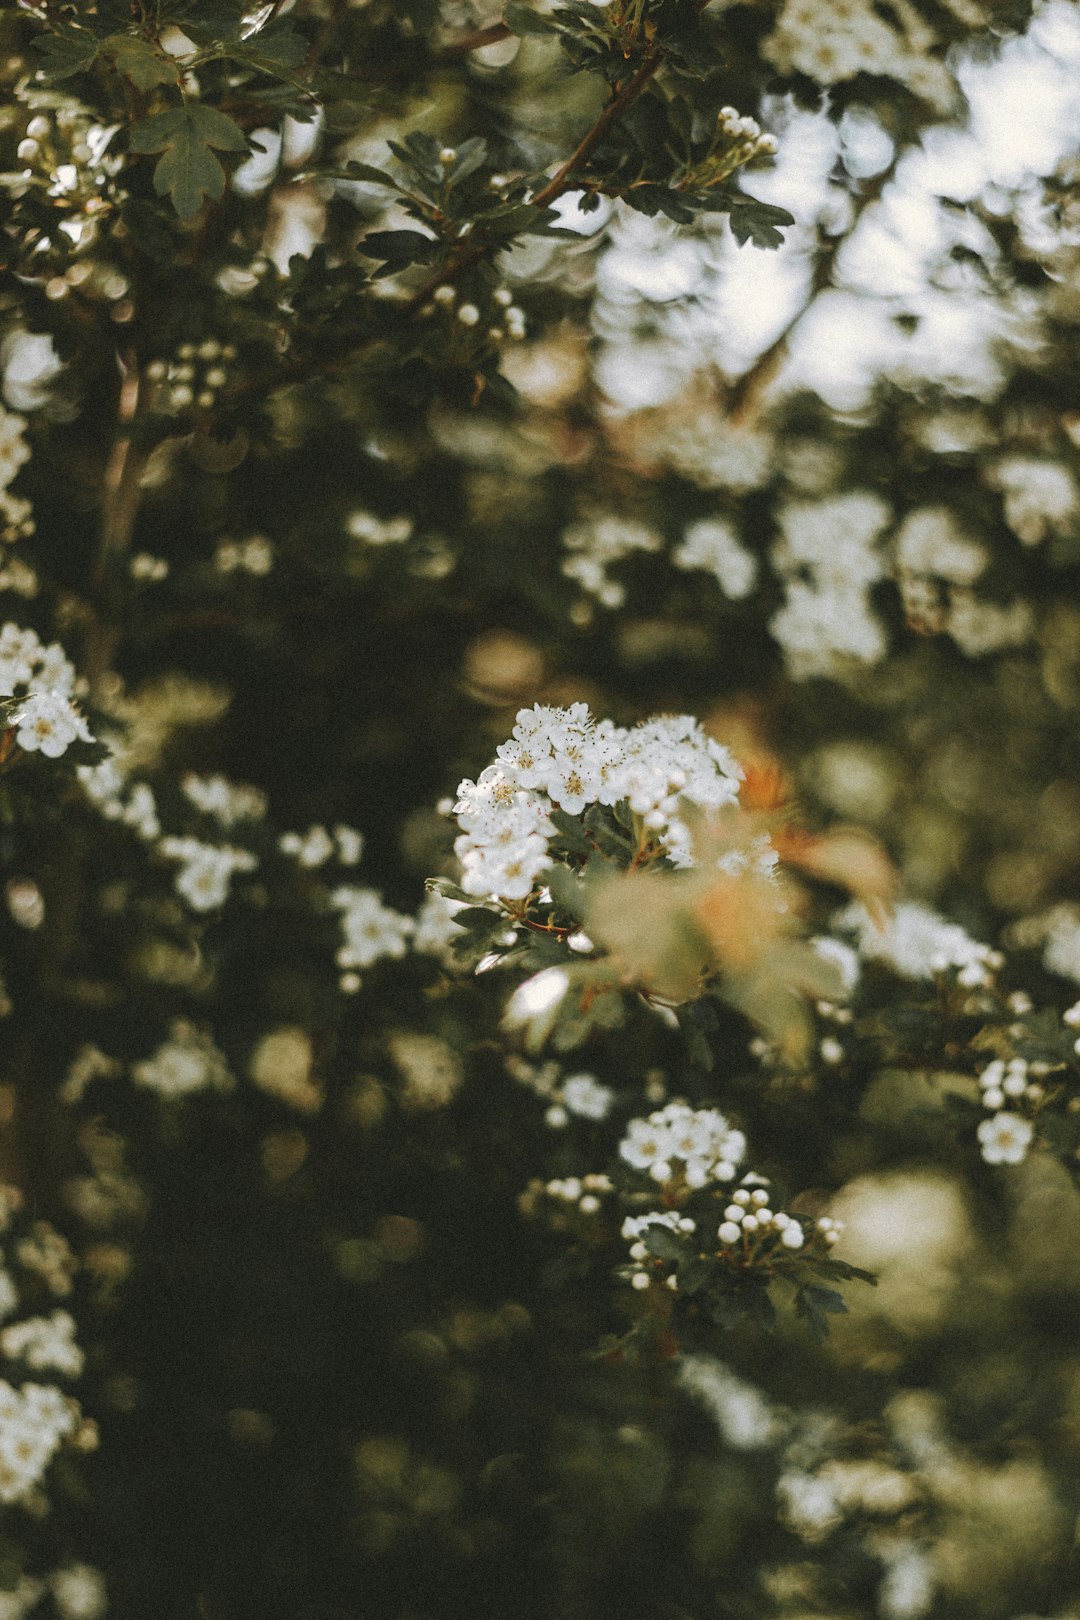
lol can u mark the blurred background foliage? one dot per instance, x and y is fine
(325, 532)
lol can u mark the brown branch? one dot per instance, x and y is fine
(121, 495)
(745, 396)
(560, 180)
(477, 39)
(464, 255)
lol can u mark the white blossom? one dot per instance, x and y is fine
(188, 1061)
(372, 931)
(206, 870)
(1005, 1138)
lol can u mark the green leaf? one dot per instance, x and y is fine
(570, 832)
(566, 891)
(757, 222)
(479, 919)
(140, 61)
(68, 51)
(364, 171)
(662, 1242)
(400, 248)
(521, 19)
(188, 170)
(470, 155)
(277, 48)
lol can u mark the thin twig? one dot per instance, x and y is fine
(618, 104)
(467, 252)
(475, 41)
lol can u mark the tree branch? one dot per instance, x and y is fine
(461, 258)
(477, 39)
(746, 395)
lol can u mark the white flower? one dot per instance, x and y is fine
(713, 544)
(918, 942)
(1005, 1138)
(930, 542)
(582, 1094)
(44, 1343)
(188, 1061)
(228, 802)
(79, 1592)
(745, 1419)
(34, 1421)
(206, 871)
(371, 930)
(47, 722)
(311, 849)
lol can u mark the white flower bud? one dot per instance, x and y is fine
(468, 314)
(447, 155)
(639, 1280)
(993, 1097)
(734, 1212)
(740, 1197)
(728, 1232)
(792, 1236)
(750, 1223)
(758, 1197)
(444, 294)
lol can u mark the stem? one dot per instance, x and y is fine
(464, 255)
(121, 496)
(475, 41)
(618, 104)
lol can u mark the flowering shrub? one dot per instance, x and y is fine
(642, 1179)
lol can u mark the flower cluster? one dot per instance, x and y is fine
(680, 1144)
(372, 931)
(751, 1228)
(564, 1196)
(593, 546)
(254, 555)
(194, 376)
(713, 545)
(227, 802)
(642, 1273)
(828, 554)
(830, 43)
(919, 943)
(579, 1095)
(1006, 1087)
(206, 870)
(373, 531)
(16, 513)
(35, 1418)
(188, 1061)
(317, 846)
(134, 805)
(503, 320)
(1040, 497)
(44, 1344)
(562, 758)
(41, 682)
